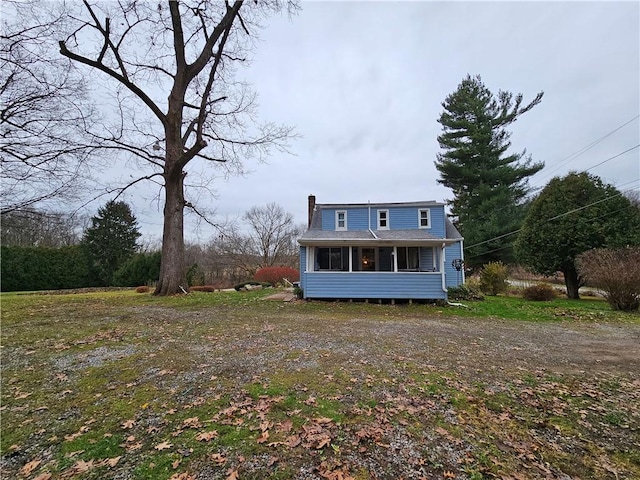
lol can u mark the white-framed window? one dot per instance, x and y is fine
(341, 219)
(424, 218)
(383, 219)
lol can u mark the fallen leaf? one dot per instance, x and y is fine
(264, 437)
(181, 476)
(206, 436)
(112, 462)
(176, 463)
(219, 459)
(163, 446)
(233, 475)
(128, 424)
(30, 467)
(43, 476)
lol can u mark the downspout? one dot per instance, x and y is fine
(442, 273)
(462, 257)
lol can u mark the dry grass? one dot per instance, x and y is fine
(122, 385)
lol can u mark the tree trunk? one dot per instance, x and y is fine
(572, 282)
(172, 275)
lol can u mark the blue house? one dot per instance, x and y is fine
(393, 251)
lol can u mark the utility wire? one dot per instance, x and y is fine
(575, 155)
(611, 158)
(550, 219)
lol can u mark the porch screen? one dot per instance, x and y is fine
(333, 259)
(408, 258)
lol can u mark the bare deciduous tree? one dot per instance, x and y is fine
(30, 227)
(267, 239)
(170, 67)
(43, 151)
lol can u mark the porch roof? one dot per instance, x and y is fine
(315, 237)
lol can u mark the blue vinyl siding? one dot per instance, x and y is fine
(303, 265)
(356, 219)
(453, 277)
(400, 218)
(373, 285)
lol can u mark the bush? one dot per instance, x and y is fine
(617, 272)
(143, 289)
(44, 268)
(140, 269)
(247, 285)
(464, 292)
(276, 275)
(203, 288)
(493, 278)
(540, 292)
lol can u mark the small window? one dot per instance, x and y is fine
(383, 219)
(424, 218)
(341, 220)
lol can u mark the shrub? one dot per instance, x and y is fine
(276, 275)
(249, 284)
(493, 278)
(616, 272)
(298, 292)
(464, 292)
(142, 289)
(541, 292)
(140, 269)
(203, 288)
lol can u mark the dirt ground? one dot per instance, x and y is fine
(401, 395)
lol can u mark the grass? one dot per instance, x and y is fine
(114, 384)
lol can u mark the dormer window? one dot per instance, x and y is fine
(383, 219)
(341, 219)
(424, 218)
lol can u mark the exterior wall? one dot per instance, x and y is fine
(453, 277)
(303, 264)
(373, 285)
(400, 218)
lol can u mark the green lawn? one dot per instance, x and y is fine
(228, 385)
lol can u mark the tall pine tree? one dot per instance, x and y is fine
(489, 184)
(111, 239)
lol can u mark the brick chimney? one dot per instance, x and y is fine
(312, 207)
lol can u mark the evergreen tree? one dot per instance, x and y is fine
(111, 239)
(571, 215)
(489, 185)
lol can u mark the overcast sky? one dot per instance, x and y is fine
(363, 83)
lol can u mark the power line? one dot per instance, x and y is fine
(584, 149)
(548, 220)
(611, 158)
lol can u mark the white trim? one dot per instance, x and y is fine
(386, 219)
(428, 210)
(395, 259)
(442, 259)
(338, 227)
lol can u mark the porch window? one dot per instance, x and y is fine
(334, 258)
(383, 219)
(424, 218)
(408, 258)
(341, 219)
